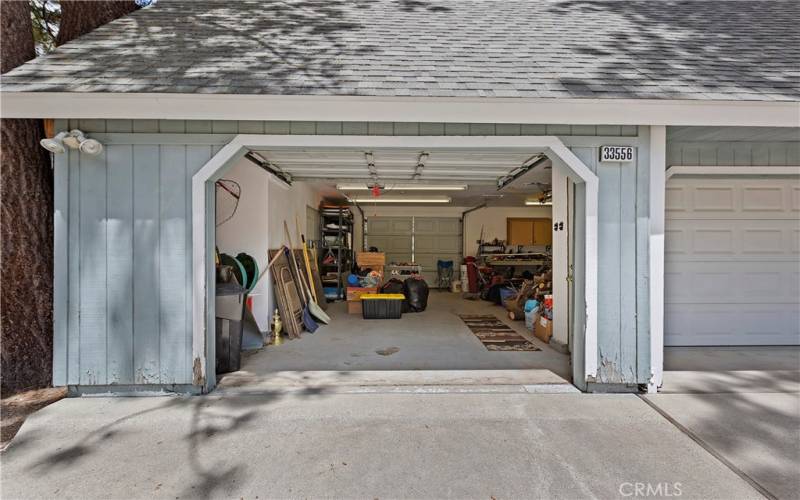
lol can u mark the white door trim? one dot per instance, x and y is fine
(203, 277)
(658, 191)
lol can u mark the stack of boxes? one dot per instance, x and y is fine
(365, 260)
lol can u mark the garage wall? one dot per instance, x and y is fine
(493, 221)
(123, 231)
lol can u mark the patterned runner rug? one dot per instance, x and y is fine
(496, 335)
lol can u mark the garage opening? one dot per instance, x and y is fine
(394, 260)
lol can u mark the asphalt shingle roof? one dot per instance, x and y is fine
(711, 49)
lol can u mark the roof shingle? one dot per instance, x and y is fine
(711, 50)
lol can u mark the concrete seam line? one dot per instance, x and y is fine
(714, 453)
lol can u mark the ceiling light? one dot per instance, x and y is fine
(390, 199)
(537, 203)
(55, 144)
(404, 187)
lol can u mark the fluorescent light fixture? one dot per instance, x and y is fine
(397, 199)
(537, 203)
(404, 187)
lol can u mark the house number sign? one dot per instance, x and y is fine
(616, 153)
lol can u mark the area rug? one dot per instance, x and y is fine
(496, 335)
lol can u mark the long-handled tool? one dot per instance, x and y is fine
(313, 308)
(307, 263)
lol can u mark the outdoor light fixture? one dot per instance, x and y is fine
(389, 199)
(74, 139)
(55, 144)
(404, 187)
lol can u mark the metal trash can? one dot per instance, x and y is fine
(229, 326)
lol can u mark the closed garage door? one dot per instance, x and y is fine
(423, 240)
(391, 235)
(732, 267)
(437, 238)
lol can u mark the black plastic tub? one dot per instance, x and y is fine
(382, 305)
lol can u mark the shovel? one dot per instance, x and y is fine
(312, 307)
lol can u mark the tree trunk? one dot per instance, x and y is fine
(26, 206)
(79, 17)
(26, 228)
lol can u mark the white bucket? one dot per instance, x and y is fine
(455, 286)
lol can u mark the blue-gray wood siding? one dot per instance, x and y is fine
(733, 146)
(344, 128)
(123, 242)
(123, 264)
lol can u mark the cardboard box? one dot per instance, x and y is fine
(354, 307)
(354, 293)
(371, 259)
(543, 329)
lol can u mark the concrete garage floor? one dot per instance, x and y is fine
(743, 404)
(436, 339)
(314, 445)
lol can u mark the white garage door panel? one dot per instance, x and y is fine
(713, 324)
(732, 261)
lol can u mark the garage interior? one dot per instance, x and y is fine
(482, 231)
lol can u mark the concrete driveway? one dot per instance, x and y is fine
(743, 404)
(312, 443)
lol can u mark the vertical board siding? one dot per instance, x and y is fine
(729, 153)
(146, 331)
(119, 250)
(74, 271)
(627, 271)
(173, 263)
(93, 282)
(621, 264)
(348, 128)
(123, 309)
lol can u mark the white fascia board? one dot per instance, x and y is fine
(399, 109)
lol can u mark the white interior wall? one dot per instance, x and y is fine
(493, 221)
(257, 225)
(561, 185)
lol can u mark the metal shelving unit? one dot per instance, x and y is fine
(336, 241)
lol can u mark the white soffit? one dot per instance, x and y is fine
(418, 109)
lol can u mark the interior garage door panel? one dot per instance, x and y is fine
(434, 238)
(732, 266)
(392, 235)
(437, 238)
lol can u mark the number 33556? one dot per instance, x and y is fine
(616, 153)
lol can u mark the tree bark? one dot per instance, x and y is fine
(26, 228)
(26, 204)
(79, 17)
